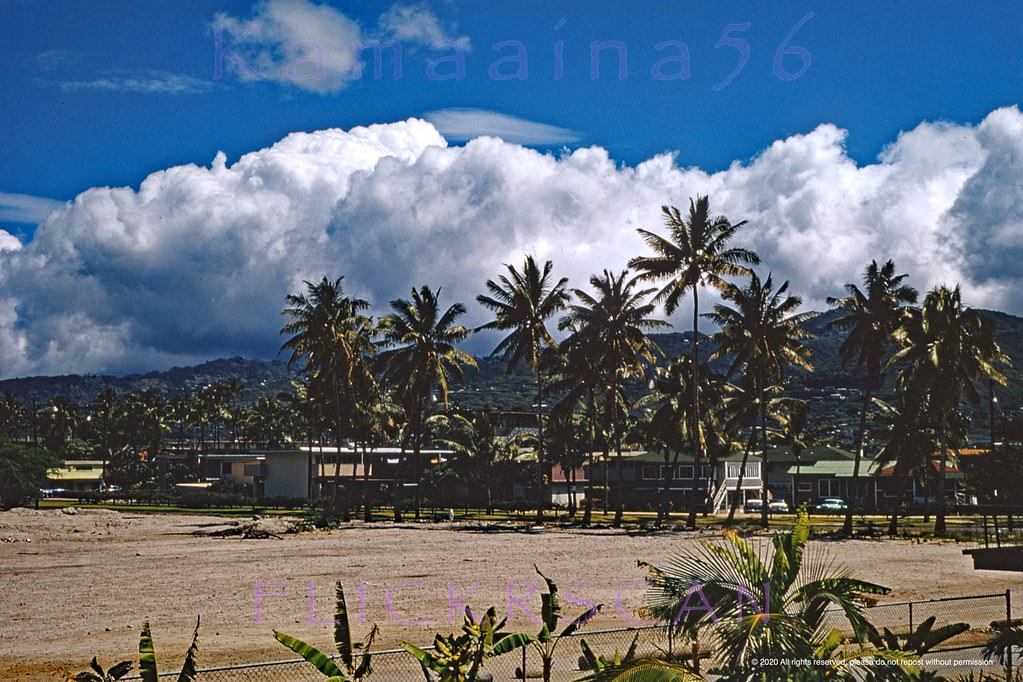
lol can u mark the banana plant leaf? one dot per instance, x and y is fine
(320, 660)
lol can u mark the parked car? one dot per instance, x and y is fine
(778, 505)
(830, 505)
(753, 506)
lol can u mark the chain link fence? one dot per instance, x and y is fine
(955, 657)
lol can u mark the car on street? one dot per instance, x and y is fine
(753, 506)
(830, 505)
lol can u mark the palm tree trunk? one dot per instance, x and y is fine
(540, 501)
(367, 515)
(417, 446)
(398, 481)
(763, 460)
(750, 443)
(619, 497)
(669, 470)
(588, 511)
(695, 431)
(854, 503)
(571, 490)
(939, 520)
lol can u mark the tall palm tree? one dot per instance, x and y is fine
(579, 382)
(761, 334)
(947, 349)
(614, 322)
(695, 254)
(522, 303)
(422, 357)
(670, 402)
(792, 415)
(568, 436)
(871, 318)
(331, 339)
(268, 422)
(909, 449)
(482, 455)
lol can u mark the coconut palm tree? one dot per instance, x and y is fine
(871, 316)
(268, 422)
(614, 322)
(670, 401)
(761, 335)
(947, 348)
(766, 602)
(522, 303)
(792, 415)
(331, 339)
(568, 435)
(422, 357)
(695, 254)
(909, 449)
(482, 456)
(579, 382)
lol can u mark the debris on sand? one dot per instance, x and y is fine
(256, 529)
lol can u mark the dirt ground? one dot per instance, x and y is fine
(75, 585)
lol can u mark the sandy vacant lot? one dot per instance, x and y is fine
(78, 585)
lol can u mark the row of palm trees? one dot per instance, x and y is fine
(128, 431)
(941, 350)
(375, 382)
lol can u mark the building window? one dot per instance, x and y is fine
(829, 487)
(805, 487)
(685, 471)
(649, 472)
(225, 468)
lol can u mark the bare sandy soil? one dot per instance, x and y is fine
(77, 585)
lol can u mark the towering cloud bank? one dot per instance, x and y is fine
(196, 262)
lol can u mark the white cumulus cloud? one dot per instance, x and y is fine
(316, 47)
(197, 261)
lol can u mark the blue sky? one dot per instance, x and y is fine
(850, 130)
(73, 120)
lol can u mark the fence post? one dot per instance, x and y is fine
(911, 617)
(523, 663)
(1008, 624)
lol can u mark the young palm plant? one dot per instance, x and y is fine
(695, 254)
(871, 318)
(767, 602)
(522, 303)
(352, 665)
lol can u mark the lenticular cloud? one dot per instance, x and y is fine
(196, 262)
